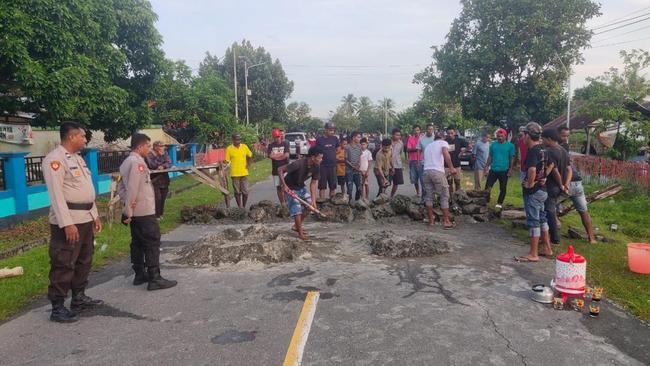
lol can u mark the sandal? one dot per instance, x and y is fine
(449, 227)
(524, 259)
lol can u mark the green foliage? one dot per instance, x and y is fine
(501, 59)
(362, 114)
(94, 61)
(268, 82)
(609, 97)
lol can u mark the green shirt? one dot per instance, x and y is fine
(501, 155)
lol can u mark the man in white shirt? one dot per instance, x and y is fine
(436, 154)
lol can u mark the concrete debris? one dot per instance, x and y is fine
(335, 212)
(255, 243)
(383, 210)
(416, 212)
(340, 199)
(386, 243)
(381, 199)
(400, 204)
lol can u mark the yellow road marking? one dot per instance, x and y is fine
(300, 334)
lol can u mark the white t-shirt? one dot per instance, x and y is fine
(364, 160)
(433, 157)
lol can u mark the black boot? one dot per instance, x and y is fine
(61, 314)
(156, 282)
(80, 301)
(140, 275)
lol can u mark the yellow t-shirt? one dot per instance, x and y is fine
(340, 167)
(237, 158)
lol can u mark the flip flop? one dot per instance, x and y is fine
(449, 227)
(522, 259)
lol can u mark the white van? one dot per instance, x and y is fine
(297, 143)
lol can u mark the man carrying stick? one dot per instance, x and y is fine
(293, 183)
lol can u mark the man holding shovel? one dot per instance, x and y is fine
(293, 183)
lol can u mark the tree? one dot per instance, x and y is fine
(210, 64)
(298, 114)
(612, 96)
(501, 61)
(386, 113)
(369, 120)
(349, 104)
(94, 61)
(269, 85)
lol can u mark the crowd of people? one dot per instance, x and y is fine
(332, 162)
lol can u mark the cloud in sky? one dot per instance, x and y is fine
(330, 48)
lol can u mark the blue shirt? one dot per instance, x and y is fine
(424, 141)
(501, 154)
(480, 151)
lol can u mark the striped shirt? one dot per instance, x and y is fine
(352, 154)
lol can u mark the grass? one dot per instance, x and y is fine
(606, 262)
(19, 291)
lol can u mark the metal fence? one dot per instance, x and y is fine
(34, 169)
(2, 175)
(183, 153)
(110, 161)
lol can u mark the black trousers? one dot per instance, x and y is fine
(160, 193)
(145, 241)
(502, 177)
(550, 206)
(70, 263)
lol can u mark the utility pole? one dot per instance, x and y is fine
(385, 117)
(568, 97)
(246, 68)
(234, 79)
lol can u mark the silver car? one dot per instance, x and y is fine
(297, 143)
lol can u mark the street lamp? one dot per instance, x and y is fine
(248, 92)
(568, 98)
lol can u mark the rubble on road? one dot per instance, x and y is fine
(256, 243)
(386, 243)
(339, 209)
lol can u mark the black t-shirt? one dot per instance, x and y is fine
(278, 147)
(298, 172)
(560, 158)
(328, 145)
(536, 157)
(576, 174)
(454, 149)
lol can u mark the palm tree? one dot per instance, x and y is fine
(387, 106)
(349, 104)
(364, 105)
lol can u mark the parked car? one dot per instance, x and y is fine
(297, 143)
(466, 162)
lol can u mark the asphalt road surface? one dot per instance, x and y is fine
(467, 307)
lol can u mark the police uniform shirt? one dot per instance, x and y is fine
(136, 187)
(68, 180)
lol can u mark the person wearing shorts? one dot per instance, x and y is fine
(240, 157)
(327, 144)
(293, 177)
(436, 154)
(278, 152)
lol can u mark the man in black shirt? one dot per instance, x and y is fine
(559, 159)
(297, 174)
(456, 146)
(575, 190)
(534, 193)
(278, 152)
(328, 143)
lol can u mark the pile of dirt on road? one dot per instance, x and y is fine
(264, 211)
(387, 243)
(256, 243)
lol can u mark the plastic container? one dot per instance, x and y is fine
(638, 257)
(570, 272)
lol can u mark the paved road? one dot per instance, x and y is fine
(468, 307)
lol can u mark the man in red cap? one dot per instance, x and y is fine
(278, 152)
(501, 159)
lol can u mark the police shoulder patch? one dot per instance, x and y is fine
(55, 165)
(141, 168)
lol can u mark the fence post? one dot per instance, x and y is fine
(171, 150)
(92, 160)
(16, 179)
(193, 146)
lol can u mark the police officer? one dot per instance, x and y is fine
(136, 192)
(73, 220)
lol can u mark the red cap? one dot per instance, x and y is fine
(276, 133)
(503, 132)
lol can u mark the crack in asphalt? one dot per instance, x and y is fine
(411, 275)
(508, 342)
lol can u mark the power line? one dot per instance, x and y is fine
(616, 44)
(614, 21)
(622, 34)
(623, 26)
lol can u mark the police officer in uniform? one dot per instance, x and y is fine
(137, 194)
(73, 221)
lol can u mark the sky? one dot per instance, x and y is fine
(373, 48)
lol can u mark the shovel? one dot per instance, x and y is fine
(305, 203)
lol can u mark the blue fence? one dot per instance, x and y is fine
(22, 190)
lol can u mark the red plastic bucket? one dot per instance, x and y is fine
(638, 257)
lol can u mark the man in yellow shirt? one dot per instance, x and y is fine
(239, 156)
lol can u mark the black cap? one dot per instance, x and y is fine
(329, 126)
